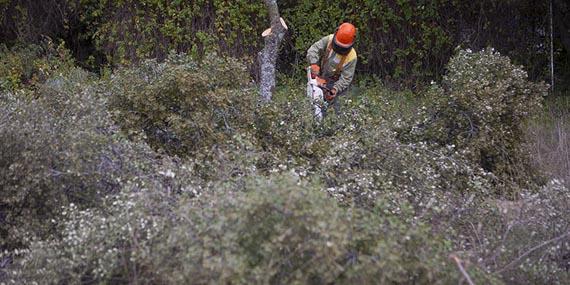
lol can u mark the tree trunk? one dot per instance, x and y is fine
(268, 56)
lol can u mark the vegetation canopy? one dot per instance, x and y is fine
(135, 147)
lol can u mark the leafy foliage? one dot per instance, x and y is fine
(31, 65)
(406, 43)
(481, 108)
(180, 107)
(61, 148)
(280, 230)
(99, 180)
(132, 30)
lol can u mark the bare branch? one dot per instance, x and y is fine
(461, 268)
(528, 252)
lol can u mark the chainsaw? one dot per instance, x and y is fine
(318, 93)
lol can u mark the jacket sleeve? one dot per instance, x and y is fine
(346, 76)
(317, 50)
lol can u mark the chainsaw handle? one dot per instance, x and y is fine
(325, 88)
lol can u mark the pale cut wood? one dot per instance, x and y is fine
(269, 30)
(266, 33)
(284, 24)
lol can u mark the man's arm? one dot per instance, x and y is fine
(317, 50)
(346, 77)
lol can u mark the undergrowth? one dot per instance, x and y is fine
(549, 138)
(165, 174)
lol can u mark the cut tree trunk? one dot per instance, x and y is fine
(268, 56)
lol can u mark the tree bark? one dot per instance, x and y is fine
(268, 56)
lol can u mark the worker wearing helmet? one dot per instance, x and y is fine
(333, 59)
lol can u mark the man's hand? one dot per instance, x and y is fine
(315, 70)
(330, 96)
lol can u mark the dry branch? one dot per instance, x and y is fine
(543, 244)
(461, 268)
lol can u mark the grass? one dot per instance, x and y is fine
(549, 138)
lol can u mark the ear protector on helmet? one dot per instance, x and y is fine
(343, 49)
(340, 50)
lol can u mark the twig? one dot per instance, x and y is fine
(461, 268)
(476, 232)
(531, 250)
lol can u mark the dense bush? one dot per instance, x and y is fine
(29, 66)
(207, 200)
(525, 241)
(128, 31)
(62, 147)
(480, 108)
(279, 231)
(179, 107)
(370, 165)
(182, 106)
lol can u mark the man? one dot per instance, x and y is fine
(333, 61)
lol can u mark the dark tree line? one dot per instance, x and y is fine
(562, 20)
(406, 41)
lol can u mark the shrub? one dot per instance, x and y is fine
(525, 241)
(182, 106)
(130, 31)
(481, 107)
(31, 65)
(209, 113)
(280, 230)
(359, 205)
(286, 127)
(61, 148)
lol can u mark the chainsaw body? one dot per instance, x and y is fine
(317, 92)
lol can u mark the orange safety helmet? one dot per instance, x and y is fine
(345, 35)
(344, 38)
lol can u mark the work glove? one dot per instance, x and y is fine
(331, 95)
(315, 70)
